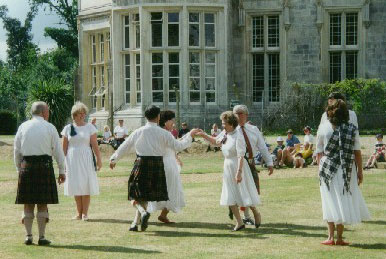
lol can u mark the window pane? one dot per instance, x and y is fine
(173, 35)
(127, 85)
(273, 31)
(258, 32)
(127, 20)
(274, 77)
(209, 18)
(172, 97)
(194, 57)
(136, 17)
(156, 16)
(156, 30)
(127, 37)
(173, 17)
(210, 71)
(210, 97)
(174, 83)
(174, 70)
(138, 59)
(210, 84)
(127, 97)
(173, 58)
(194, 34)
(351, 28)
(93, 46)
(137, 36)
(194, 84)
(156, 58)
(257, 77)
(194, 70)
(157, 84)
(351, 65)
(210, 57)
(158, 97)
(335, 66)
(335, 29)
(194, 97)
(127, 71)
(194, 17)
(157, 71)
(209, 35)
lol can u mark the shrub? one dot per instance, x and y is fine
(8, 122)
(58, 96)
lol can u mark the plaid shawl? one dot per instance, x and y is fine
(339, 152)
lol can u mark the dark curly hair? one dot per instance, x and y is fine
(337, 112)
(165, 116)
(230, 118)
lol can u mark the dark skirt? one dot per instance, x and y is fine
(147, 181)
(37, 183)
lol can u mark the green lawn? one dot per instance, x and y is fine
(291, 227)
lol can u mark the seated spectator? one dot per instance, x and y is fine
(214, 132)
(184, 130)
(293, 145)
(277, 153)
(120, 133)
(298, 160)
(106, 135)
(174, 131)
(93, 122)
(308, 144)
(379, 154)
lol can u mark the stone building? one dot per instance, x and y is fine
(216, 53)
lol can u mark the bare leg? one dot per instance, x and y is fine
(339, 232)
(279, 156)
(257, 216)
(85, 204)
(236, 213)
(78, 200)
(331, 230)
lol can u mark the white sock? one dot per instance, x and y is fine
(141, 207)
(28, 218)
(42, 218)
(137, 218)
(246, 213)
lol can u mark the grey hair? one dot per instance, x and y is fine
(241, 108)
(77, 108)
(37, 108)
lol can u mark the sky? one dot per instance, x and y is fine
(19, 9)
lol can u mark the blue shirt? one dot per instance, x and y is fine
(291, 142)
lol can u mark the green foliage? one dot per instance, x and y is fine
(58, 96)
(8, 122)
(68, 12)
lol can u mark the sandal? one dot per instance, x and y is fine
(165, 220)
(328, 242)
(341, 243)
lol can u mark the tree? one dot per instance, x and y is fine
(65, 38)
(21, 50)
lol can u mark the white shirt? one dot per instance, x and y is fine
(151, 140)
(309, 139)
(106, 135)
(257, 142)
(353, 118)
(120, 132)
(38, 137)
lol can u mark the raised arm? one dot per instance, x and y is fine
(126, 147)
(180, 144)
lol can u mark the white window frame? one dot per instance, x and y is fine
(162, 77)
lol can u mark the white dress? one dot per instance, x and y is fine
(244, 193)
(337, 207)
(174, 184)
(81, 178)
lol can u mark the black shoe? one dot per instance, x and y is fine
(248, 221)
(257, 225)
(133, 228)
(44, 242)
(239, 228)
(144, 221)
(230, 214)
(28, 240)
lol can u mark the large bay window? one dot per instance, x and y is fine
(265, 58)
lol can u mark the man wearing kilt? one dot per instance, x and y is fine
(255, 142)
(36, 142)
(147, 181)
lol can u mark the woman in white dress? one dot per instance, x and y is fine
(172, 167)
(81, 167)
(238, 189)
(337, 149)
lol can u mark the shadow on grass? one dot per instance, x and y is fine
(117, 221)
(110, 249)
(376, 222)
(369, 246)
(248, 233)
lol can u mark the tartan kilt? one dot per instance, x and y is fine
(147, 181)
(37, 183)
